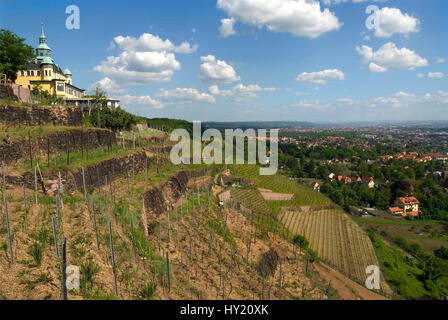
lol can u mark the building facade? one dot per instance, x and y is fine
(44, 74)
(405, 206)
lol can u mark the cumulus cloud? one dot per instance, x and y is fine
(302, 18)
(140, 101)
(330, 2)
(321, 77)
(226, 28)
(392, 20)
(435, 75)
(108, 85)
(139, 67)
(401, 100)
(431, 75)
(184, 96)
(216, 71)
(389, 57)
(240, 93)
(143, 60)
(150, 42)
(315, 104)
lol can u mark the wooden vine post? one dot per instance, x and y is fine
(55, 237)
(84, 183)
(168, 271)
(64, 269)
(35, 186)
(94, 225)
(11, 254)
(111, 241)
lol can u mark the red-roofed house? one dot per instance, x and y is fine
(408, 205)
(396, 210)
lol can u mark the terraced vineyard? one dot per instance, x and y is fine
(336, 239)
(252, 199)
(303, 196)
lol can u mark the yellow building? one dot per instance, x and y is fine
(43, 72)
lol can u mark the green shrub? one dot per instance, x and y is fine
(35, 251)
(89, 270)
(147, 291)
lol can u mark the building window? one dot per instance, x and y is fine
(28, 73)
(38, 73)
(46, 73)
(32, 73)
(22, 73)
(60, 86)
(49, 73)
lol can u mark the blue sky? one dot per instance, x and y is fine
(233, 60)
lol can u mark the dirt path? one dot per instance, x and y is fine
(346, 288)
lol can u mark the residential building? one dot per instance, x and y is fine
(45, 74)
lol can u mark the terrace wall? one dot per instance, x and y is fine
(159, 198)
(39, 115)
(94, 174)
(74, 140)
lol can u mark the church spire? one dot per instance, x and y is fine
(43, 50)
(42, 38)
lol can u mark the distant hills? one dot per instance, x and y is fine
(257, 124)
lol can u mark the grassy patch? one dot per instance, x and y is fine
(400, 272)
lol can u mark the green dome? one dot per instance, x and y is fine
(47, 60)
(67, 72)
(43, 46)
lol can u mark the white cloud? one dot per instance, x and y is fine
(127, 100)
(139, 67)
(392, 20)
(302, 18)
(143, 60)
(440, 60)
(226, 28)
(435, 75)
(315, 104)
(330, 2)
(111, 46)
(345, 101)
(409, 100)
(400, 100)
(431, 75)
(216, 71)
(240, 93)
(184, 96)
(389, 57)
(150, 42)
(108, 85)
(321, 77)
